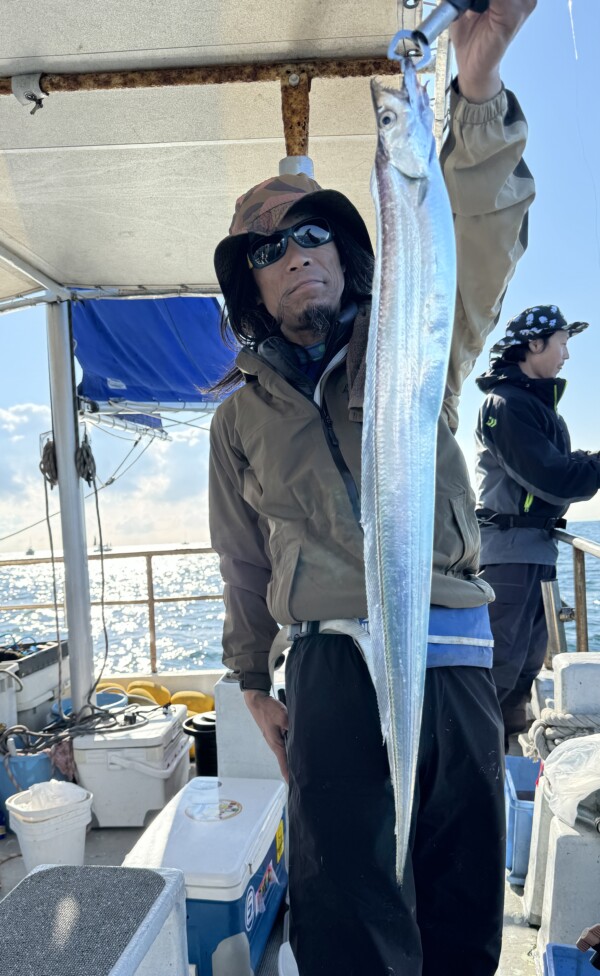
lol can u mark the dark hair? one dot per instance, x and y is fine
(518, 354)
(245, 322)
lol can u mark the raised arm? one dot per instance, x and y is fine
(489, 184)
(480, 42)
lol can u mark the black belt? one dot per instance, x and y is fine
(485, 517)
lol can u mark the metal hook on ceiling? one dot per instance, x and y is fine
(27, 90)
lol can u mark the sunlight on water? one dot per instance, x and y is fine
(189, 633)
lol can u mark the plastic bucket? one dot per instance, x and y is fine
(203, 729)
(57, 840)
(104, 699)
(67, 798)
(22, 771)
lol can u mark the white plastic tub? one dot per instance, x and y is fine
(43, 801)
(134, 772)
(60, 839)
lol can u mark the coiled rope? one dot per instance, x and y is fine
(85, 463)
(552, 728)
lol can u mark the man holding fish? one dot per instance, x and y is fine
(285, 501)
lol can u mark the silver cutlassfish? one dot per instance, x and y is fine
(407, 359)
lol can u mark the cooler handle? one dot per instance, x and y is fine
(115, 759)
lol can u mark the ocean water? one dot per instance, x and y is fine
(189, 633)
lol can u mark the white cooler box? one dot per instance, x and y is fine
(8, 693)
(136, 771)
(39, 673)
(227, 836)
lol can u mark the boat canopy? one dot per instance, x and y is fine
(127, 130)
(156, 117)
(165, 352)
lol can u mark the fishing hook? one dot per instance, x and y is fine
(423, 48)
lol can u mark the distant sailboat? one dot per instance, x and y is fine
(105, 547)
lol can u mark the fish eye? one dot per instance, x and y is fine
(387, 119)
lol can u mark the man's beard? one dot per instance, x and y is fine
(318, 319)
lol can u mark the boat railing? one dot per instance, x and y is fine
(150, 600)
(556, 613)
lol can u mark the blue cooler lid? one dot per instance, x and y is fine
(217, 830)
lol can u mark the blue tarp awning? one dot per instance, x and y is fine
(149, 350)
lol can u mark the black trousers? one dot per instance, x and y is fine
(348, 917)
(518, 624)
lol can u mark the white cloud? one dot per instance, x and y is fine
(24, 413)
(162, 498)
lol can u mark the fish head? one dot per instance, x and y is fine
(404, 124)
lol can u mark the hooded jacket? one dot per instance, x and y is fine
(525, 465)
(285, 466)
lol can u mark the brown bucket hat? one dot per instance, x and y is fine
(264, 206)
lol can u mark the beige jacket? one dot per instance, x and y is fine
(281, 516)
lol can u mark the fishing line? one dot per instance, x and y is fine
(573, 29)
(113, 477)
(111, 433)
(582, 144)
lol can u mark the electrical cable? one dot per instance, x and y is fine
(49, 469)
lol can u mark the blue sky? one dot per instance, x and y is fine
(163, 497)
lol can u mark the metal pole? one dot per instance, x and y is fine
(77, 583)
(24, 267)
(580, 600)
(210, 74)
(151, 614)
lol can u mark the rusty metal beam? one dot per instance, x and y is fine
(295, 110)
(218, 74)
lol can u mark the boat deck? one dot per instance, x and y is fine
(109, 846)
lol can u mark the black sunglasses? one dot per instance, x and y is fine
(265, 250)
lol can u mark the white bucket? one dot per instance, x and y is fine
(43, 801)
(60, 839)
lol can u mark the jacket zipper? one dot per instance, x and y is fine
(338, 457)
(330, 436)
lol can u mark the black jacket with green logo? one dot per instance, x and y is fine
(525, 465)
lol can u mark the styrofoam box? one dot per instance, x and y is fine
(227, 835)
(533, 895)
(577, 683)
(542, 691)
(521, 777)
(241, 747)
(571, 890)
(8, 694)
(39, 673)
(134, 772)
